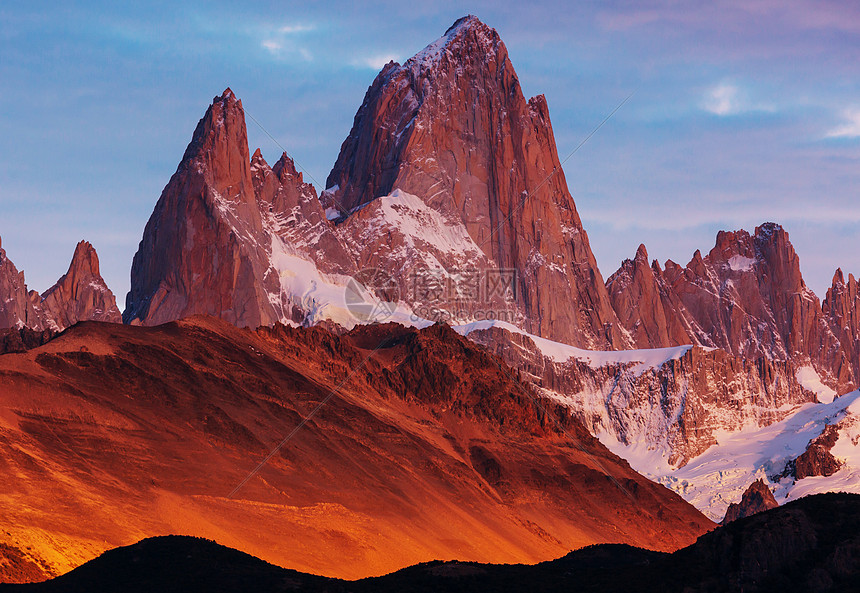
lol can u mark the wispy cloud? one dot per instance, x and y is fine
(375, 62)
(272, 45)
(281, 42)
(723, 99)
(850, 128)
(291, 29)
(727, 99)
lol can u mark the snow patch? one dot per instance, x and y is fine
(739, 263)
(809, 379)
(720, 475)
(641, 360)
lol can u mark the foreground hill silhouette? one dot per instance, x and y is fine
(429, 448)
(812, 545)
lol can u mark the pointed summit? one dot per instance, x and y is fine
(16, 307)
(468, 35)
(838, 278)
(756, 499)
(81, 293)
(205, 241)
(452, 128)
(225, 232)
(85, 260)
(218, 150)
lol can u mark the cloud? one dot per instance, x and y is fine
(375, 62)
(291, 29)
(273, 46)
(280, 50)
(723, 99)
(850, 128)
(727, 99)
(281, 42)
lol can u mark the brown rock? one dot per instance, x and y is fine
(296, 216)
(841, 307)
(817, 460)
(204, 249)
(641, 300)
(756, 499)
(747, 297)
(81, 294)
(451, 126)
(17, 308)
(677, 407)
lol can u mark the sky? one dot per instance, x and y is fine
(742, 112)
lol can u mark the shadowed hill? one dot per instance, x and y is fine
(812, 545)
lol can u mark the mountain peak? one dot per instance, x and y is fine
(468, 35)
(756, 499)
(81, 293)
(838, 278)
(768, 229)
(453, 128)
(85, 259)
(470, 21)
(286, 168)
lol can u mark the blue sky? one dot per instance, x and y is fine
(743, 112)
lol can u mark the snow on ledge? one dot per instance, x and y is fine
(739, 263)
(809, 379)
(643, 359)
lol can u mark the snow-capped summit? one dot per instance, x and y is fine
(468, 35)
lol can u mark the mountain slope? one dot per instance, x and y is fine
(429, 449)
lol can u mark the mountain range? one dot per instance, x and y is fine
(440, 297)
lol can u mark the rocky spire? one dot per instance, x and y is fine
(16, 306)
(746, 296)
(203, 249)
(756, 499)
(81, 293)
(452, 127)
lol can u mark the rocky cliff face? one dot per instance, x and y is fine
(235, 238)
(17, 304)
(451, 128)
(841, 308)
(756, 499)
(818, 460)
(668, 403)
(80, 295)
(203, 249)
(747, 297)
